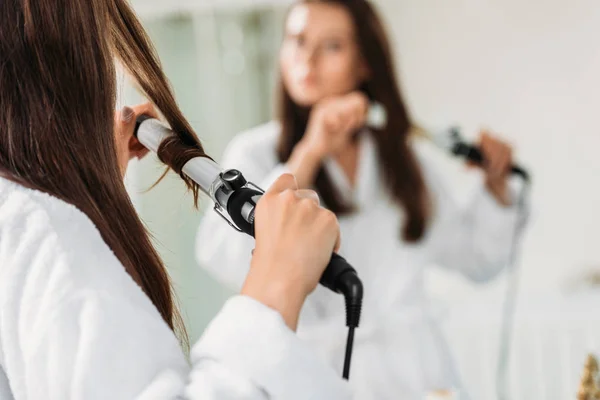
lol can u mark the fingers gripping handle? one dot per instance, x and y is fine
(339, 275)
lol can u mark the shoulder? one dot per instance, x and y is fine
(50, 247)
(60, 281)
(428, 156)
(260, 140)
(424, 150)
(446, 176)
(259, 136)
(26, 214)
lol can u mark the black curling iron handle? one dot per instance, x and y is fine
(474, 154)
(337, 267)
(339, 275)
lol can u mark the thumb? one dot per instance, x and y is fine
(137, 149)
(126, 115)
(125, 123)
(338, 243)
(283, 183)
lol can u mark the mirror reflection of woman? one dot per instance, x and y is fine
(396, 213)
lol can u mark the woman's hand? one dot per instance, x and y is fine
(128, 146)
(499, 159)
(333, 121)
(294, 241)
(331, 126)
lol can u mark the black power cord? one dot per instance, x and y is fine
(352, 289)
(348, 357)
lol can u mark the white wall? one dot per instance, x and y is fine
(530, 70)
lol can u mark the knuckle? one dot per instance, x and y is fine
(145, 109)
(287, 177)
(286, 180)
(321, 110)
(307, 204)
(288, 196)
(329, 217)
(357, 98)
(312, 194)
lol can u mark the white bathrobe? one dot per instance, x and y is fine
(74, 325)
(399, 352)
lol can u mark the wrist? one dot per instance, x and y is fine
(308, 152)
(304, 164)
(500, 190)
(278, 294)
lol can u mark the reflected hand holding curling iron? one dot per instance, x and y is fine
(451, 140)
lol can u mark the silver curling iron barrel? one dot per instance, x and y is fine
(235, 201)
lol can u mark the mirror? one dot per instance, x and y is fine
(529, 72)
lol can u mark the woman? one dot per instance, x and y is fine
(396, 216)
(86, 308)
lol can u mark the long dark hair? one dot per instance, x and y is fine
(57, 102)
(401, 171)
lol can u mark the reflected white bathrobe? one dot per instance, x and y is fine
(399, 352)
(74, 325)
